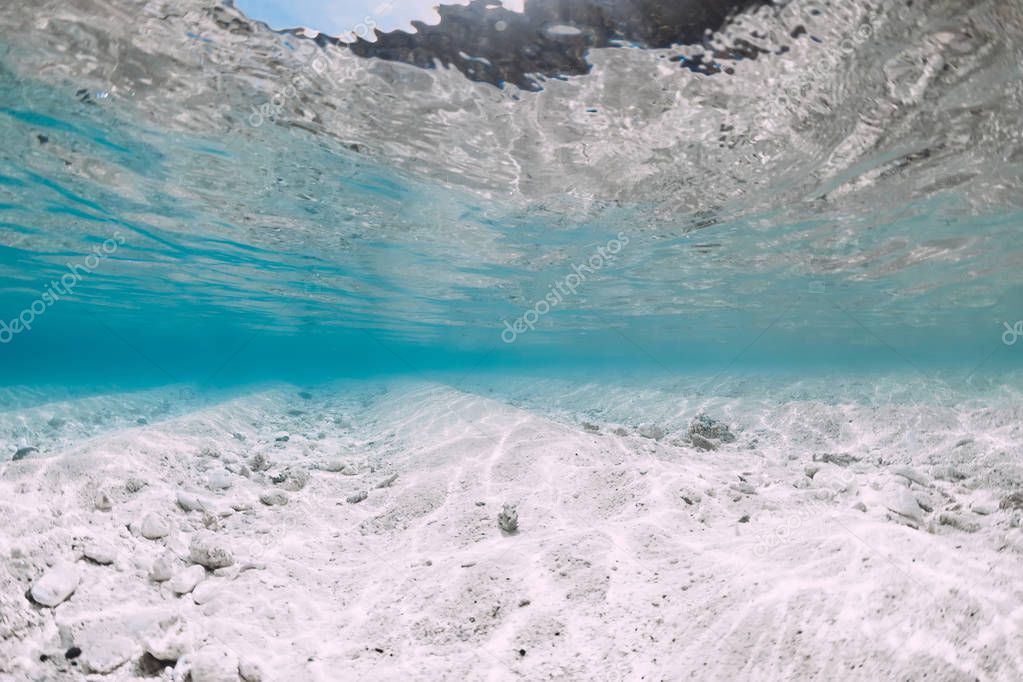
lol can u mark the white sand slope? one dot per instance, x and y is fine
(828, 541)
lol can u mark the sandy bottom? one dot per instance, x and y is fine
(350, 532)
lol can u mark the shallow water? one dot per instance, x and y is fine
(264, 206)
(726, 313)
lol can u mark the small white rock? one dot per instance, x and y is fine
(250, 671)
(205, 591)
(903, 503)
(984, 506)
(154, 527)
(105, 656)
(206, 549)
(162, 569)
(100, 552)
(171, 640)
(214, 663)
(186, 580)
(274, 498)
(219, 479)
(911, 474)
(56, 584)
(191, 502)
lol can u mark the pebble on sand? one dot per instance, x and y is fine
(162, 569)
(902, 502)
(214, 663)
(100, 553)
(186, 580)
(22, 453)
(508, 519)
(56, 584)
(206, 549)
(191, 502)
(357, 497)
(651, 431)
(274, 498)
(104, 656)
(172, 639)
(154, 527)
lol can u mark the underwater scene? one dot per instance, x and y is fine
(535, 340)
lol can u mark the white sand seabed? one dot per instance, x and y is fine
(637, 557)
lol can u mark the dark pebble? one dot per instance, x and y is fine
(72, 653)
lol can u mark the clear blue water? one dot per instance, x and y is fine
(379, 218)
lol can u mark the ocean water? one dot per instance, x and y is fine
(191, 196)
(577, 340)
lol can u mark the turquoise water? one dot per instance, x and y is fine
(185, 210)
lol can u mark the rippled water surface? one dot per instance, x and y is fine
(815, 183)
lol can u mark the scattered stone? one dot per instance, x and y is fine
(904, 505)
(701, 443)
(841, 459)
(811, 470)
(259, 462)
(859, 506)
(241, 505)
(100, 553)
(292, 478)
(56, 422)
(305, 395)
(141, 421)
(214, 663)
(984, 507)
(911, 475)
(134, 485)
(744, 518)
(171, 640)
(154, 527)
(190, 502)
(357, 497)
(349, 470)
(508, 519)
(56, 584)
(104, 656)
(218, 479)
(72, 653)
(205, 591)
(185, 581)
(206, 549)
(619, 431)
(163, 568)
(710, 429)
(833, 477)
(745, 488)
(958, 522)
(282, 437)
(386, 483)
(964, 441)
(651, 431)
(103, 503)
(22, 453)
(274, 498)
(332, 465)
(1012, 501)
(250, 671)
(592, 428)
